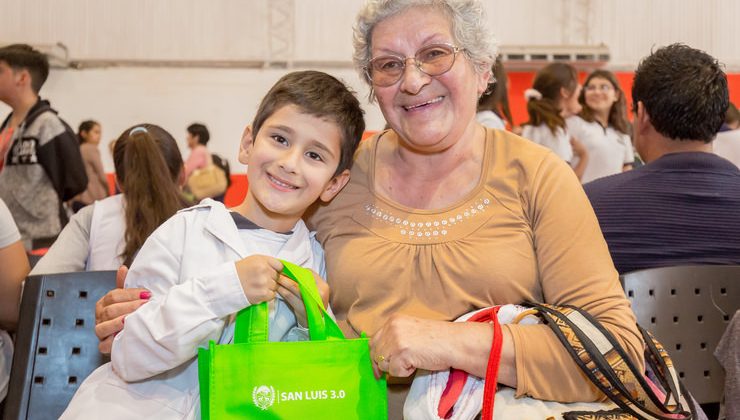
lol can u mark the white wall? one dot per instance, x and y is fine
(179, 39)
(321, 29)
(224, 99)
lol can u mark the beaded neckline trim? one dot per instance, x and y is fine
(420, 227)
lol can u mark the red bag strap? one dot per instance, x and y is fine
(489, 391)
(457, 378)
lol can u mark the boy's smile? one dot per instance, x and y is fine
(291, 163)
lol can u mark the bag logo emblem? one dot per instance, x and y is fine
(263, 396)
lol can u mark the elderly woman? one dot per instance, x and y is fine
(443, 216)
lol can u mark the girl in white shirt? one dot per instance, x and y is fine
(602, 126)
(109, 232)
(553, 98)
(493, 105)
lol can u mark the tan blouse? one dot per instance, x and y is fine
(526, 232)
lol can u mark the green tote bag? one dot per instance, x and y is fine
(328, 377)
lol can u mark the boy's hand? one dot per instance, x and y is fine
(290, 292)
(258, 275)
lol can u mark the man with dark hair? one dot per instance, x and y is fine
(40, 162)
(683, 206)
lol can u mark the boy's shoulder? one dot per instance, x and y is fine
(192, 223)
(206, 209)
(45, 126)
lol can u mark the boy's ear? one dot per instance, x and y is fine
(245, 145)
(23, 77)
(334, 186)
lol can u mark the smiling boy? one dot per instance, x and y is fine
(206, 263)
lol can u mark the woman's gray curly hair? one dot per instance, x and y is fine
(467, 17)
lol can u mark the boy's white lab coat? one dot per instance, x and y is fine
(188, 265)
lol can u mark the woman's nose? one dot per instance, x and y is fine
(412, 78)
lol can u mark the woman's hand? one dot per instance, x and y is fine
(405, 344)
(288, 289)
(111, 309)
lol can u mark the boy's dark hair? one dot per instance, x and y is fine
(684, 91)
(320, 95)
(201, 131)
(23, 56)
(548, 82)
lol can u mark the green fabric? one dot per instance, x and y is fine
(329, 377)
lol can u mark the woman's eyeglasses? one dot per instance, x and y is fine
(432, 60)
(601, 88)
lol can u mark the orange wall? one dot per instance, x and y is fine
(520, 81)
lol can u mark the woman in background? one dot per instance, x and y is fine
(493, 105)
(602, 127)
(149, 172)
(553, 98)
(89, 134)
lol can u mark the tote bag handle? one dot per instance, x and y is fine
(252, 323)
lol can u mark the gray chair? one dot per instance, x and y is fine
(56, 347)
(687, 308)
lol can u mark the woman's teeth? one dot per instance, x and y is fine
(433, 101)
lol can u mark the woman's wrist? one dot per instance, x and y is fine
(470, 345)
(471, 348)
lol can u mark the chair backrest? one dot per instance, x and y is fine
(687, 308)
(56, 347)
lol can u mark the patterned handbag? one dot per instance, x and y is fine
(603, 360)
(454, 394)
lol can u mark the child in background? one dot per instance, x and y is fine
(493, 105)
(207, 262)
(109, 233)
(602, 126)
(89, 135)
(553, 98)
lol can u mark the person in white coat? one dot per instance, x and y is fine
(207, 262)
(602, 127)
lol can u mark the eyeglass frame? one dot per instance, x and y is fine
(600, 88)
(417, 63)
